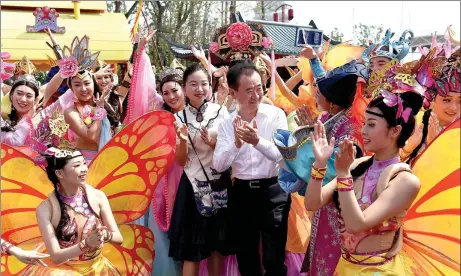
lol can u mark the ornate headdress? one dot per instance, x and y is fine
(28, 78)
(175, 64)
(239, 41)
(6, 66)
(51, 61)
(77, 60)
(24, 66)
(260, 64)
(449, 79)
(399, 79)
(48, 140)
(390, 49)
(168, 72)
(441, 49)
(100, 63)
(439, 69)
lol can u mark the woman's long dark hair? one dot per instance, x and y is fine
(409, 99)
(13, 117)
(54, 164)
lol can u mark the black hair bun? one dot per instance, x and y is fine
(412, 100)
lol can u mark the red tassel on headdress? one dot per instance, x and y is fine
(274, 67)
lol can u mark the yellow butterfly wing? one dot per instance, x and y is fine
(23, 187)
(136, 254)
(131, 164)
(432, 224)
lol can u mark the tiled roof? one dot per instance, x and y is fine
(283, 34)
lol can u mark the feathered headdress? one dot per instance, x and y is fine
(390, 49)
(77, 60)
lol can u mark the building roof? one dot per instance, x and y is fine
(425, 40)
(58, 5)
(108, 32)
(283, 34)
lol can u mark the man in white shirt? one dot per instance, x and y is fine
(258, 205)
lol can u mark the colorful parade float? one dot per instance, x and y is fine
(23, 25)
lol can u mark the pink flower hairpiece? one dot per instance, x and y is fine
(267, 42)
(214, 47)
(391, 99)
(68, 67)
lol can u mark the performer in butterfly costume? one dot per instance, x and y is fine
(439, 72)
(143, 152)
(422, 239)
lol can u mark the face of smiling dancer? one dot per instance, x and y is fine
(23, 98)
(104, 82)
(447, 108)
(74, 172)
(376, 133)
(83, 88)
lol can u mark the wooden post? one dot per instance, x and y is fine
(76, 9)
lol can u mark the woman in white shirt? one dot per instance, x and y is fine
(198, 228)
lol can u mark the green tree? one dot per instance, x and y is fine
(336, 35)
(366, 34)
(190, 22)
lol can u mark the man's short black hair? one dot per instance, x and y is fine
(246, 68)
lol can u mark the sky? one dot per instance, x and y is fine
(423, 17)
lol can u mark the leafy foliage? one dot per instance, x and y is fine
(336, 35)
(368, 34)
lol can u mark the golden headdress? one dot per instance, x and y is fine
(24, 66)
(175, 64)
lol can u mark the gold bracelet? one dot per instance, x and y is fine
(344, 184)
(318, 174)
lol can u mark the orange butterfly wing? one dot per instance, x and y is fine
(432, 224)
(131, 164)
(135, 255)
(23, 187)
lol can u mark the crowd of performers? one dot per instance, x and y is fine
(258, 175)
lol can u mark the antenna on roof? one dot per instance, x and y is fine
(353, 25)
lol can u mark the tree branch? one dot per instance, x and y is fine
(131, 10)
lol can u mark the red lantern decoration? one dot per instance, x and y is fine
(276, 17)
(290, 14)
